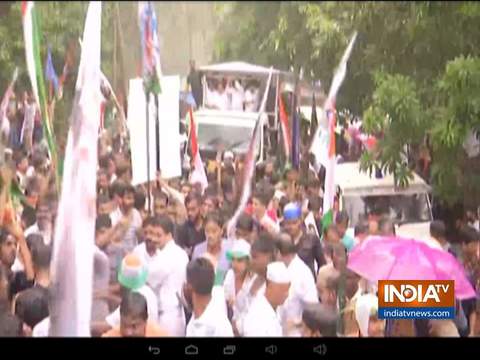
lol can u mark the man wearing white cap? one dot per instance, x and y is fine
(302, 289)
(262, 318)
(238, 280)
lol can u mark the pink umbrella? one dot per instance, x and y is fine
(394, 258)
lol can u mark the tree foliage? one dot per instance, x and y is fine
(413, 72)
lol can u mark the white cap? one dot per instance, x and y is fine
(279, 194)
(228, 155)
(240, 249)
(277, 272)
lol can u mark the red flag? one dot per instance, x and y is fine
(287, 140)
(198, 174)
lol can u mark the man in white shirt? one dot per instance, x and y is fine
(260, 202)
(126, 212)
(167, 274)
(251, 98)
(302, 289)
(147, 250)
(236, 94)
(262, 319)
(206, 320)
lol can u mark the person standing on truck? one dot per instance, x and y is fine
(195, 83)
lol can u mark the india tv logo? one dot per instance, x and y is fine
(416, 299)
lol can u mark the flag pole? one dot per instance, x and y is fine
(147, 95)
(157, 135)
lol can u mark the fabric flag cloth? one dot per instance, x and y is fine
(296, 139)
(32, 36)
(198, 174)
(249, 165)
(50, 73)
(73, 248)
(329, 147)
(152, 71)
(4, 122)
(286, 135)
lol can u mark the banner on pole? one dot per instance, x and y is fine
(168, 107)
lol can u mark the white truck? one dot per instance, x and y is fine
(408, 207)
(232, 130)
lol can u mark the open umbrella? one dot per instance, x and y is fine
(395, 258)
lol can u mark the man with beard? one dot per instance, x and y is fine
(127, 214)
(309, 248)
(192, 232)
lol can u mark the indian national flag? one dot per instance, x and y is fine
(198, 174)
(32, 36)
(330, 160)
(73, 247)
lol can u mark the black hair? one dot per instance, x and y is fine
(160, 195)
(264, 244)
(38, 159)
(245, 222)
(437, 229)
(386, 226)
(164, 222)
(361, 228)
(10, 325)
(103, 161)
(115, 188)
(140, 199)
(314, 203)
(102, 199)
(126, 189)
(342, 217)
(41, 255)
(31, 306)
(263, 195)
(134, 304)
(121, 169)
(201, 276)
(103, 221)
(193, 196)
(215, 217)
(314, 182)
(29, 216)
(19, 156)
(318, 317)
(285, 244)
(467, 235)
(3, 235)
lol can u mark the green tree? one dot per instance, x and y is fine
(412, 72)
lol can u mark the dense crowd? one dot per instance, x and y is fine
(173, 271)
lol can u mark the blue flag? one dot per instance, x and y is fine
(50, 71)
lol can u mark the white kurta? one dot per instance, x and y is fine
(166, 277)
(302, 291)
(244, 301)
(212, 323)
(239, 299)
(262, 320)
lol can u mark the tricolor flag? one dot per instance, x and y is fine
(152, 71)
(286, 135)
(32, 37)
(73, 247)
(198, 174)
(249, 165)
(328, 148)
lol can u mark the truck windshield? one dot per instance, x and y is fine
(400, 208)
(232, 137)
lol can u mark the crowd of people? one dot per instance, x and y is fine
(171, 270)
